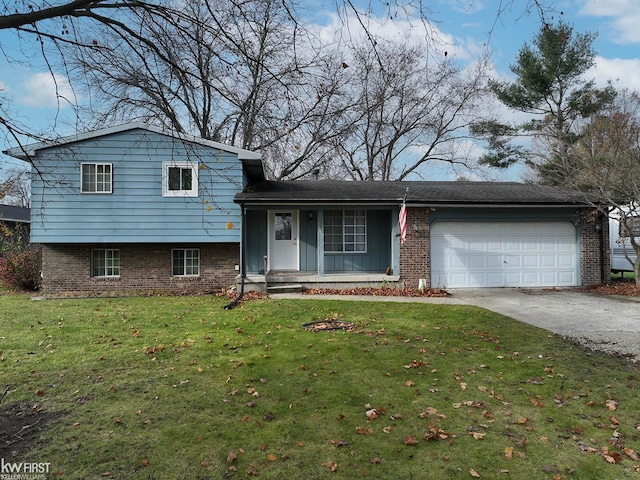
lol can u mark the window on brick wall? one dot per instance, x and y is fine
(185, 262)
(105, 263)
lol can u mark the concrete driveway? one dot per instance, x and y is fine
(608, 323)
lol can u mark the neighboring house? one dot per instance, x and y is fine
(459, 234)
(14, 226)
(135, 209)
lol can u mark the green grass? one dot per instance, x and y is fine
(176, 387)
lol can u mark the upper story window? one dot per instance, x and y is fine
(345, 231)
(179, 179)
(96, 178)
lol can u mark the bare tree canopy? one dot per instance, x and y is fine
(255, 75)
(607, 161)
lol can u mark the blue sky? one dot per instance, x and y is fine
(464, 28)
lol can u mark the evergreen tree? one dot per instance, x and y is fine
(550, 88)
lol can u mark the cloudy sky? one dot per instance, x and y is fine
(464, 29)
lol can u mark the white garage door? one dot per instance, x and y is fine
(503, 254)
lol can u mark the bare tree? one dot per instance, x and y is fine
(607, 158)
(16, 189)
(409, 109)
(245, 74)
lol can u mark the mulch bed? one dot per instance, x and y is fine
(379, 292)
(623, 288)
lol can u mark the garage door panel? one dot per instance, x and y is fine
(504, 254)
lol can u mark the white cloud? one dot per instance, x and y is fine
(624, 14)
(623, 72)
(46, 90)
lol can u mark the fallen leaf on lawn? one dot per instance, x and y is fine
(333, 466)
(410, 440)
(117, 420)
(474, 473)
(375, 460)
(364, 431)
(253, 471)
(340, 442)
(536, 402)
(522, 420)
(233, 455)
(271, 457)
(632, 454)
(463, 386)
(508, 452)
(612, 404)
(371, 414)
(409, 383)
(145, 462)
(387, 429)
(477, 435)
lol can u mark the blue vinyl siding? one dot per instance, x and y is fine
(136, 211)
(308, 240)
(378, 255)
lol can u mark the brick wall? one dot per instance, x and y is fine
(414, 253)
(144, 269)
(594, 244)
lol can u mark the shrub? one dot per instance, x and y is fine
(20, 270)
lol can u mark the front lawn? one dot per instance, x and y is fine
(179, 388)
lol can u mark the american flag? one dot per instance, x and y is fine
(402, 222)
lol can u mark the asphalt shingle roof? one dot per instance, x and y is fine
(460, 193)
(11, 213)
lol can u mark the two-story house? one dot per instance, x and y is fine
(137, 209)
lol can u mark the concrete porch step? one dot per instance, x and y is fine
(288, 288)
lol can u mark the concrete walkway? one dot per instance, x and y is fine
(608, 323)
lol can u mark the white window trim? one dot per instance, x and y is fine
(179, 193)
(106, 250)
(96, 192)
(185, 268)
(344, 235)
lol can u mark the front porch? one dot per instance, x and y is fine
(280, 281)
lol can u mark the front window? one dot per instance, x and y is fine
(185, 262)
(95, 178)
(345, 231)
(105, 263)
(179, 179)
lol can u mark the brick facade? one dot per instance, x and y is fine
(595, 254)
(144, 269)
(415, 253)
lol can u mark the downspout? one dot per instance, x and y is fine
(600, 228)
(243, 238)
